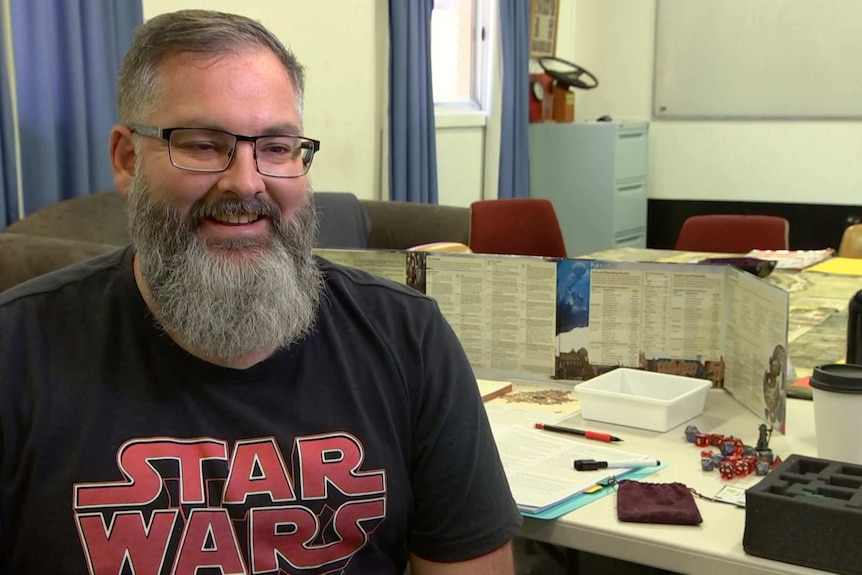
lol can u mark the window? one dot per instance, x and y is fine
(459, 52)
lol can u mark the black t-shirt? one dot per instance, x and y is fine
(121, 452)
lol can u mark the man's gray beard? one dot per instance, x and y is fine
(220, 304)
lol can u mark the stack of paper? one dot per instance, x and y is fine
(792, 259)
(540, 465)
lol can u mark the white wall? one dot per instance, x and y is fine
(344, 45)
(612, 39)
(768, 161)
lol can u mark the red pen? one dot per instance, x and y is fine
(588, 434)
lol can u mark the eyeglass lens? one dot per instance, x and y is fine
(205, 150)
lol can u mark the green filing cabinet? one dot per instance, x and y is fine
(595, 174)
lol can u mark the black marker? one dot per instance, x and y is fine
(593, 465)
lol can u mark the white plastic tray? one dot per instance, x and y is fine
(643, 399)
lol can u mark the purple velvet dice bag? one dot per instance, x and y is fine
(670, 503)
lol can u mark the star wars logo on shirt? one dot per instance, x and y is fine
(187, 503)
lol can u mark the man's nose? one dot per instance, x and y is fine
(242, 176)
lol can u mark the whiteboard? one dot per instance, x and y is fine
(758, 59)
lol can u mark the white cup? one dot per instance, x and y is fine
(837, 396)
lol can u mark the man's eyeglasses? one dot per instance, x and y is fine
(204, 150)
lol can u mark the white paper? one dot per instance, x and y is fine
(540, 464)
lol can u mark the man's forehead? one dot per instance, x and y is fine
(273, 111)
(206, 60)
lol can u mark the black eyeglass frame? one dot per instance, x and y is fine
(165, 134)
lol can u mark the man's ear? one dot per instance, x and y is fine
(122, 157)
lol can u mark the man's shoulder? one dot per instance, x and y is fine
(80, 276)
(382, 304)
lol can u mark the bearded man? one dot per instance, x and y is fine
(216, 397)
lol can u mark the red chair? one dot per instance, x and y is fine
(520, 226)
(730, 233)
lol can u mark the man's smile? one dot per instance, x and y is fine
(236, 219)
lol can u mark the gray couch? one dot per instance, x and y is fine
(80, 228)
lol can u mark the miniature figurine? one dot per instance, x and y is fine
(764, 435)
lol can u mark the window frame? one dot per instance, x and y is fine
(480, 89)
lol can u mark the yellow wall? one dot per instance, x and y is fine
(345, 93)
(344, 45)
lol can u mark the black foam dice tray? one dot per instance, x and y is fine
(807, 511)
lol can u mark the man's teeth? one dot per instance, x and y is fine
(240, 219)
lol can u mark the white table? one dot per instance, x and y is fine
(715, 546)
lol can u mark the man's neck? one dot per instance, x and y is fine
(243, 362)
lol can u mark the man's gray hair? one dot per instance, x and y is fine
(197, 31)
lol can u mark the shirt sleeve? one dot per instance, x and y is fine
(463, 504)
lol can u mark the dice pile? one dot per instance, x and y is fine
(733, 458)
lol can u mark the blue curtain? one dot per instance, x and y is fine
(412, 143)
(514, 138)
(67, 58)
(9, 204)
